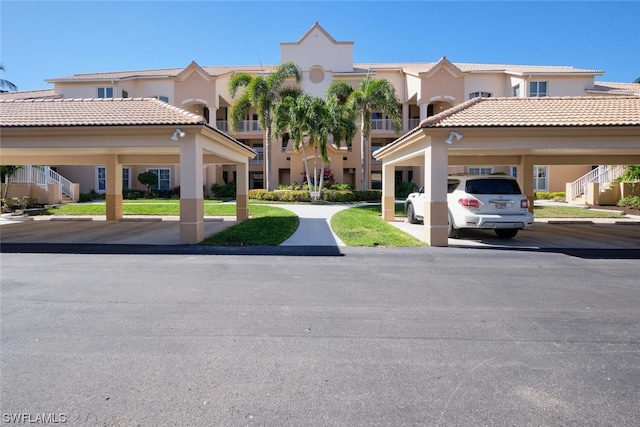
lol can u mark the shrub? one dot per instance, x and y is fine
(340, 187)
(542, 195)
(224, 190)
(343, 196)
(10, 204)
(632, 202)
(90, 196)
(403, 189)
(131, 194)
(148, 179)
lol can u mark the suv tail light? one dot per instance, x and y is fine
(524, 204)
(469, 203)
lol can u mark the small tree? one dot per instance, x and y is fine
(6, 172)
(148, 179)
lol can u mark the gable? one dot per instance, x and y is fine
(318, 48)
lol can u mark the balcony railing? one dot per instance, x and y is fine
(244, 126)
(258, 159)
(377, 125)
(381, 125)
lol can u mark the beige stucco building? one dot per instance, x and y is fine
(423, 90)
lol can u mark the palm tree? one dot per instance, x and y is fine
(261, 93)
(637, 80)
(6, 83)
(311, 123)
(373, 95)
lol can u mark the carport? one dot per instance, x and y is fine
(510, 131)
(130, 131)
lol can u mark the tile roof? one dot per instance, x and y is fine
(417, 67)
(93, 112)
(616, 88)
(30, 94)
(533, 112)
(425, 67)
(161, 73)
(540, 112)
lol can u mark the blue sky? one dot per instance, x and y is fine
(47, 39)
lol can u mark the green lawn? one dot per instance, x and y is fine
(364, 226)
(555, 211)
(268, 226)
(143, 207)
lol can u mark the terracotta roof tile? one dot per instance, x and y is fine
(545, 111)
(30, 94)
(616, 88)
(159, 73)
(93, 112)
(414, 67)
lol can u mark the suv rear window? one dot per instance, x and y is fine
(452, 184)
(492, 186)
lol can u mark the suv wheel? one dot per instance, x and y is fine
(411, 217)
(453, 231)
(506, 233)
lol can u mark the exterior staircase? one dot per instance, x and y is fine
(43, 176)
(603, 175)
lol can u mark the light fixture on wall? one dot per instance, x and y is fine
(176, 133)
(452, 135)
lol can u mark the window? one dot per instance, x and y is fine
(101, 179)
(540, 178)
(259, 158)
(164, 179)
(514, 171)
(516, 90)
(374, 147)
(125, 94)
(126, 178)
(163, 98)
(376, 180)
(105, 92)
(479, 95)
(537, 89)
(481, 170)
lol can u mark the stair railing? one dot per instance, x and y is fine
(603, 175)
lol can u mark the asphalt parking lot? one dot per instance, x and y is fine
(374, 337)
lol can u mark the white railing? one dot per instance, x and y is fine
(258, 159)
(243, 126)
(42, 176)
(603, 175)
(381, 125)
(413, 123)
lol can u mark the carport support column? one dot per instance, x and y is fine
(191, 196)
(436, 214)
(525, 179)
(113, 197)
(388, 192)
(242, 191)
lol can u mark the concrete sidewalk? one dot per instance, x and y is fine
(314, 228)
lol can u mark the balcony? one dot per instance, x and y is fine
(382, 125)
(245, 126)
(413, 123)
(258, 160)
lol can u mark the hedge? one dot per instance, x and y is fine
(342, 196)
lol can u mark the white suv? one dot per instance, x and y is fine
(479, 201)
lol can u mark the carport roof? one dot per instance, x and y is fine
(596, 111)
(93, 112)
